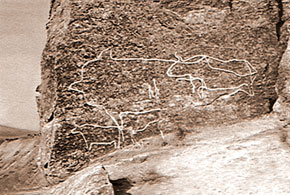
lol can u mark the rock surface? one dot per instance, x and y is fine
(93, 180)
(249, 157)
(154, 97)
(20, 173)
(114, 72)
(19, 168)
(282, 106)
(245, 158)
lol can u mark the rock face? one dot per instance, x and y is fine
(18, 165)
(244, 158)
(282, 105)
(248, 157)
(88, 181)
(114, 72)
(20, 174)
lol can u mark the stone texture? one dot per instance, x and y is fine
(248, 157)
(19, 170)
(113, 101)
(20, 173)
(244, 158)
(282, 106)
(88, 181)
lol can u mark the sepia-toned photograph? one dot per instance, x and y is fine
(144, 97)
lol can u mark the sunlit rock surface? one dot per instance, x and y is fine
(19, 165)
(114, 72)
(249, 157)
(282, 106)
(159, 97)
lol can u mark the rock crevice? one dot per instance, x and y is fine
(281, 21)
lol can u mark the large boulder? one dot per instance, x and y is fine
(114, 72)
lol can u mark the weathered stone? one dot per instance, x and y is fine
(282, 106)
(19, 169)
(88, 181)
(244, 158)
(249, 157)
(20, 173)
(114, 72)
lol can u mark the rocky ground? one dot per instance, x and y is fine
(9, 133)
(250, 157)
(245, 158)
(18, 165)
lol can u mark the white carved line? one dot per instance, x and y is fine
(190, 78)
(73, 131)
(82, 71)
(203, 84)
(99, 126)
(119, 127)
(134, 113)
(102, 143)
(155, 94)
(144, 128)
(140, 59)
(89, 146)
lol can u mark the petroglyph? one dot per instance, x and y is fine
(209, 79)
(223, 82)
